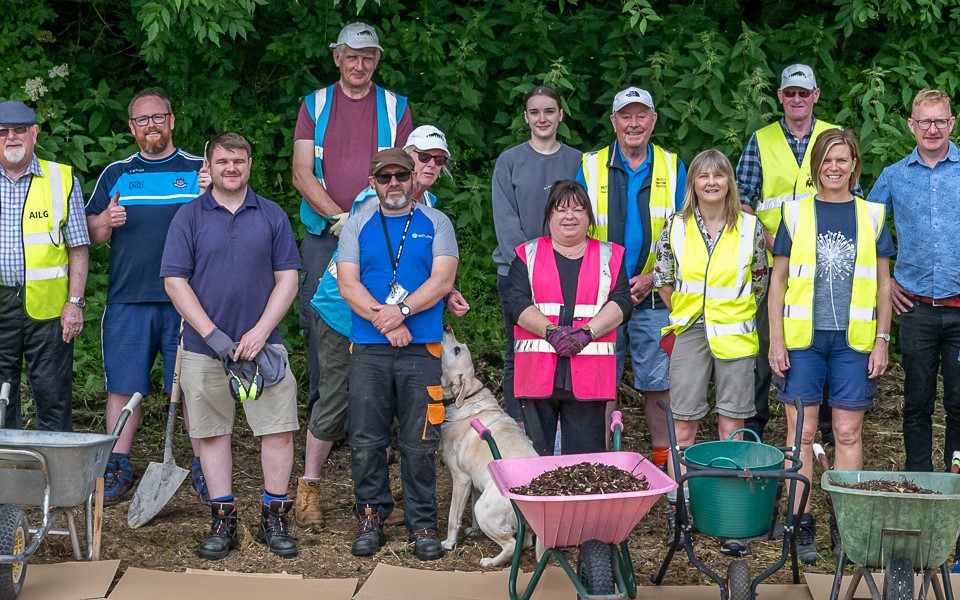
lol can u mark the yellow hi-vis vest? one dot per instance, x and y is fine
(801, 221)
(46, 282)
(662, 203)
(783, 178)
(717, 285)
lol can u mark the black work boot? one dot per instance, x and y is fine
(370, 536)
(274, 530)
(426, 544)
(223, 532)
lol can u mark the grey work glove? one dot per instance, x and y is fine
(221, 344)
(337, 226)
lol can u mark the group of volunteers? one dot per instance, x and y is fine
(778, 268)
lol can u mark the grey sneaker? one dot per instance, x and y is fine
(807, 540)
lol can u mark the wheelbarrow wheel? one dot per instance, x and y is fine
(898, 580)
(14, 532)
(595, 567)
(738, 580)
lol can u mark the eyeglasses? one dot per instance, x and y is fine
(792, 93)
(425, 158)
(577, 211)
(384, 178)
(158, 119)
(19, 130)
(924, 124)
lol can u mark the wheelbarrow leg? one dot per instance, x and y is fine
(854, 583)
(838, 577)
(947, 586)
(95, 520)
(72, 528)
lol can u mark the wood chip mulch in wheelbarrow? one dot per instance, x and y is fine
(582, 479)
(879, 485)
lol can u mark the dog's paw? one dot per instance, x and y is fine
(448, 544)
(488, 563)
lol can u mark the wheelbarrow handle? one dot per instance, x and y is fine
(616, 420)
(126, 411)
(821, 456)
(479, 427)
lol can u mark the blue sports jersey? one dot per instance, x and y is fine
(152, 191)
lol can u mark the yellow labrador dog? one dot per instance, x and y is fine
(467, 456)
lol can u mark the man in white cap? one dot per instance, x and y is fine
(635, 186)
(338, 130)
(43, 271)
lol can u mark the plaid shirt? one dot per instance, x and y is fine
(13, 195)
(750, 173)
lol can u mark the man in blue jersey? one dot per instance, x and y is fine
(131, 207)
(397, 260)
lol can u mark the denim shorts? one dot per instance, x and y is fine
(132, 336)
(650, 363)
(828, 358)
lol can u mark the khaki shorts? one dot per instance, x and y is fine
(691, 367)
(206, 393)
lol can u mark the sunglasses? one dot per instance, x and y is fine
(384, 178)
(425, 158)
(792, 93)
(22, 129)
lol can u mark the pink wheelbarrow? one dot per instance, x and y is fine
(598, 524)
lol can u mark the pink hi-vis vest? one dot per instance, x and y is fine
(594, 370)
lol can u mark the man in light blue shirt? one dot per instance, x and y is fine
(923, 193)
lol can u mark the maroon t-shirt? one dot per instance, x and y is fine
(349, 142)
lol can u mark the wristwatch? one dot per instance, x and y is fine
(883, 336)
(80, 301)
(404, 309)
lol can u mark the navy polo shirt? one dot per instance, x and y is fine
(230, 260)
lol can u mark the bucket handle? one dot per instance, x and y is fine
(724, 458)
(756, 437)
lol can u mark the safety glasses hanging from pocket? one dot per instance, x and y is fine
(241, 392)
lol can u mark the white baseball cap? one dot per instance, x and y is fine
(632, 95)
(428, 137)
(798, 75)
(358, 36)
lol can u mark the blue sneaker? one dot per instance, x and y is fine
(198, 482)
(117, 480)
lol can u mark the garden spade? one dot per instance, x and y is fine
(161, 480)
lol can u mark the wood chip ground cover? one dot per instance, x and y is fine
(882, 485)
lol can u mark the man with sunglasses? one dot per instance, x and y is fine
(775, 167)
(339, 128)
(922, 191)
(397, 260)
(43, 271)
(131, 207)
(427, 146)
(230, 267)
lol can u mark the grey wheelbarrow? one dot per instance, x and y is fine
(56, 471)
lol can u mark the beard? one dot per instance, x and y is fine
(154, 147)
(15, 155)
(396, 203)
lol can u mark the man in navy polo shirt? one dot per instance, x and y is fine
(397, 261)
(230, 267)
(131, 208)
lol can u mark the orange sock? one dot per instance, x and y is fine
(660, 456)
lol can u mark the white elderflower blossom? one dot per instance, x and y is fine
(59, 71)
(35, 88)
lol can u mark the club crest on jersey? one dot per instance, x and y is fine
(180, 183)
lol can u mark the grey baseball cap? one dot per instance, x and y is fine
(13, 112)
(632, 95)
(798, 75)
(358, 36)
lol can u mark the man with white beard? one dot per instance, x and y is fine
(43, 271)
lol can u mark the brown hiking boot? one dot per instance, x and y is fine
(395, 519)
(307, 511)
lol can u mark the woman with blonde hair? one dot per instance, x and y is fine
(830, 308)
(711, 272)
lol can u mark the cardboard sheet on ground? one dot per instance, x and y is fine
(820, 585)
(142, 584)
(397, 583)
(69, 581)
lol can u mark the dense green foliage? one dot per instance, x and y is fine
(245, 65)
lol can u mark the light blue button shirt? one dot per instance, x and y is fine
(925, 203)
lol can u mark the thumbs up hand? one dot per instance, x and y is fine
(114, 215)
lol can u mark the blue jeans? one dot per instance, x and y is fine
(651, 367)
(402, 383)
(929, 342)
